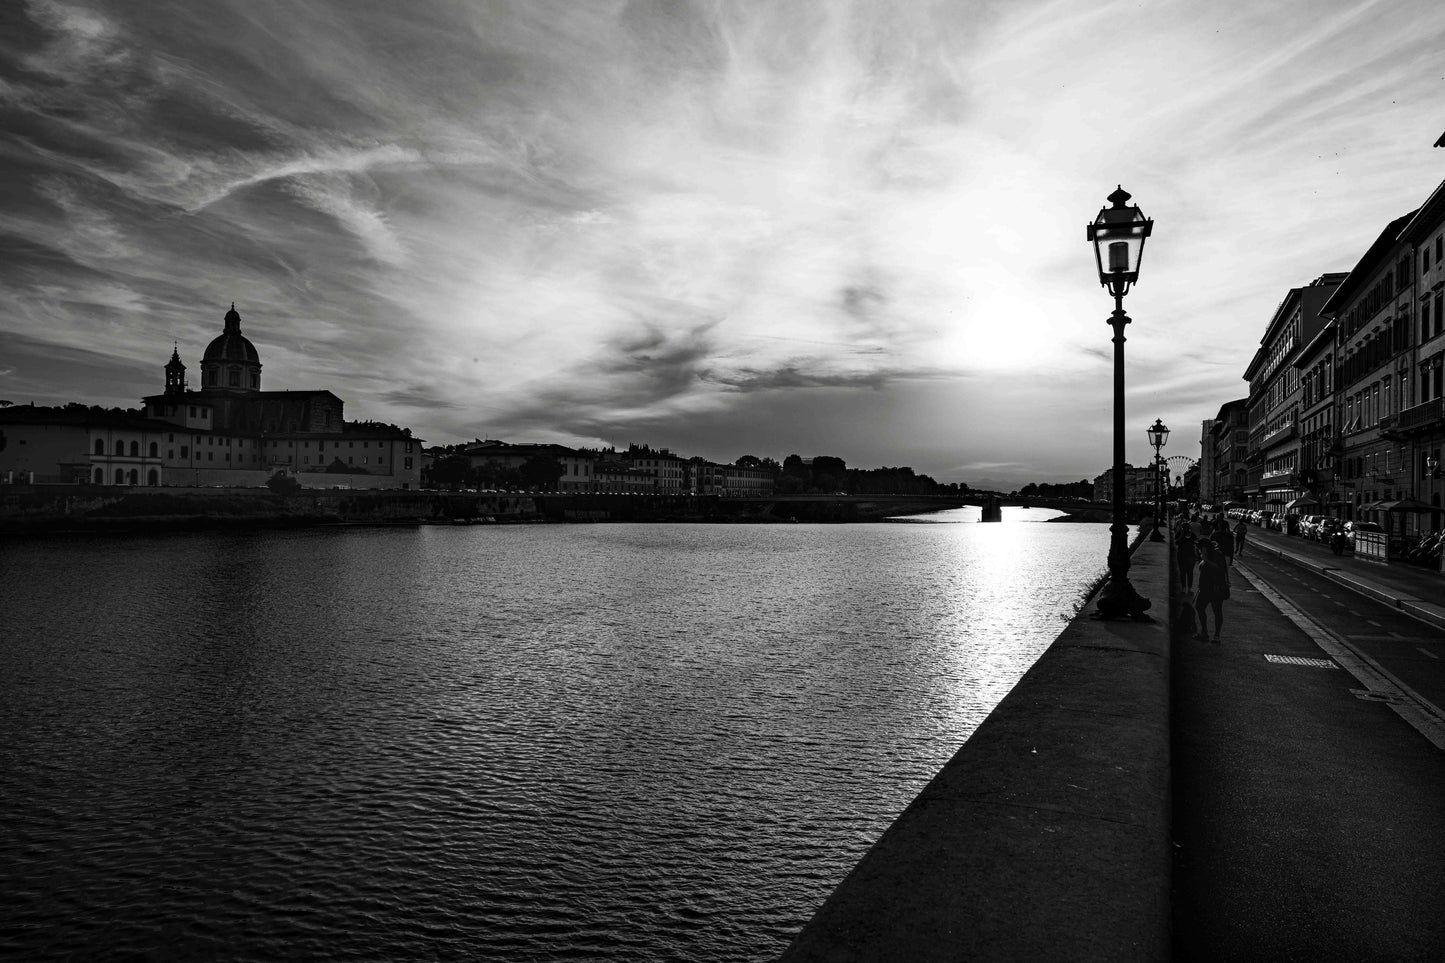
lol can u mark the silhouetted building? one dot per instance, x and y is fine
(227, 433)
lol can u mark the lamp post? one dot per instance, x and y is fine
(1432, 465)
(1118, 236)
(1158, 437)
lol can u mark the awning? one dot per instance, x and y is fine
(1403, 505)
(1303, 501)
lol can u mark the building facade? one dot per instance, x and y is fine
(1373, 311)
(1229, 453)
(1275, 396)
(227, 433)
(1420, 426)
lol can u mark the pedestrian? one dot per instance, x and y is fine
(1240, 531)
(1213, 589)
(1185, 548)
(1223, 539)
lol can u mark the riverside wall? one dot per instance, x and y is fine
(40, 508)
(1046, 837)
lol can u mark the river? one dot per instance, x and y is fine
(542, 742)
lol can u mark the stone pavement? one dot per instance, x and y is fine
(1308, 817)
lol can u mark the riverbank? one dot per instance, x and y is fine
(44, 509)
(1047, 834)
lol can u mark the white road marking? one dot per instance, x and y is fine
(1374, 623)
(1419, 712)
(1427, 652)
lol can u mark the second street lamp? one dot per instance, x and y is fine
(1158, 437)
(1118, 236)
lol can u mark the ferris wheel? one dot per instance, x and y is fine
(1176, 467)
(1179, 465)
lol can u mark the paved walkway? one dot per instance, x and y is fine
(1309, 812)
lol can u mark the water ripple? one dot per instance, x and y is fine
(543, 743)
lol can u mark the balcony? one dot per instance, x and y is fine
(1282, 433)
(1420, 418)
(1271, 476)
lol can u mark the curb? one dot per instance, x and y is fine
(1428, 612)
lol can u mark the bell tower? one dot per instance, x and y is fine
(175, 373)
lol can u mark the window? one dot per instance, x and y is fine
(154, 478)
(120, 448)
(119, 477)
(210, 456)
(406, 464)
(185, 451)
(235, 377)
(99, 447)
(155, 450)
(193, 411)
(99, 477)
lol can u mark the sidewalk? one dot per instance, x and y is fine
(1308, 824)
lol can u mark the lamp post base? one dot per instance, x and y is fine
(1118, 600)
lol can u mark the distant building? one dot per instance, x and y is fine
(1139, 485)
(668, 471)
(227, 433)
(1230, 454)
(1206, 462)
(729, 481)
(577, 465)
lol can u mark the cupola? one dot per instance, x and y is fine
(231, 362)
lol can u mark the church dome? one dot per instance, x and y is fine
(231, 345)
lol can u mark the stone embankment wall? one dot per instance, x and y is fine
(72, 507)
(1046, 837)
(104, 508)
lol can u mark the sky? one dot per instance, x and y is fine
(850, 228)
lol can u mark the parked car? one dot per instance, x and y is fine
(1353, 530)
(1328, 526)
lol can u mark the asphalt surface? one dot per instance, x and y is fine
(1308, 752)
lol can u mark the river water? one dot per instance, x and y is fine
(606, 742)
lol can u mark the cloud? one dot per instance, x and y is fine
(722, 226)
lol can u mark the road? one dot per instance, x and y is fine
(1407, 654)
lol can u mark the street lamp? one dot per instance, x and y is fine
(1118, 236)
(1432, 464)
(1158, 437)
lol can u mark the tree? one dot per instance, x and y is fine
(283, 484)
(749, 461)
(541, 471)
(450, 471)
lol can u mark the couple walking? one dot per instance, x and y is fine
(1213, 586)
